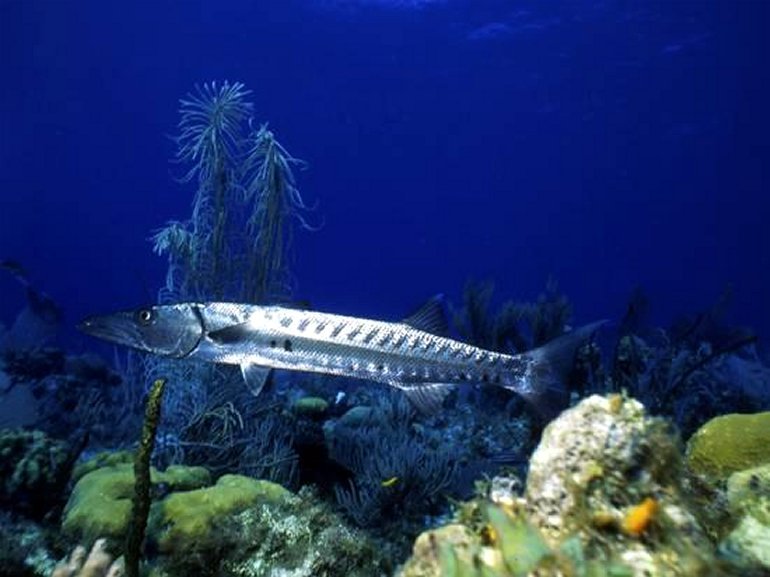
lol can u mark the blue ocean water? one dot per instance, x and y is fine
(608, 145)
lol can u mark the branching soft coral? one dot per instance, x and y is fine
(236, 243)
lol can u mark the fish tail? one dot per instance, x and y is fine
(549, 368)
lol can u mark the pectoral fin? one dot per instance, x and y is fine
(232, 334)
(255, 377)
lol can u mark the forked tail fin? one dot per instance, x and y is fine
(549, 367)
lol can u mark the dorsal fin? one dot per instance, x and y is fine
(428, 397)
(430, 317)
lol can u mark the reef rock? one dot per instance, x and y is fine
(603, 497)
(748, 498)
(606, 472)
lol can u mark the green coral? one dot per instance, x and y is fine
(310, 406)
(100, 460)
(189, 520)
(729, 443)
(100, 503)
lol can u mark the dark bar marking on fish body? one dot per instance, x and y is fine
(338, 329)
(354, 333)
(303, 324)
(400, 342)
(384, 340)
(321, 326)
(286, 322)
(287, 346)
(370, 335)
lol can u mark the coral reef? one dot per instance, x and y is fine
(610, 474)
(34, 470)
(69, 394)
(397, 473)
(603, 497)
(515, 326)
(697, 369)
(23, 548)
(238, 526)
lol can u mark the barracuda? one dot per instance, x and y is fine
(411, 355)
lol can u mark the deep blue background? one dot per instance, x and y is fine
(608, 144)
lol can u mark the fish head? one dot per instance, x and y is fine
(166, 330)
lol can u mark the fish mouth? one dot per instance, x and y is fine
(116, 328)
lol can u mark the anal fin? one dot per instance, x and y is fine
(255, 377)
(427, 397)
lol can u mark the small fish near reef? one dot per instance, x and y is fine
(410, 355)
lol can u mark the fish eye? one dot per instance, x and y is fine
(145, 316)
